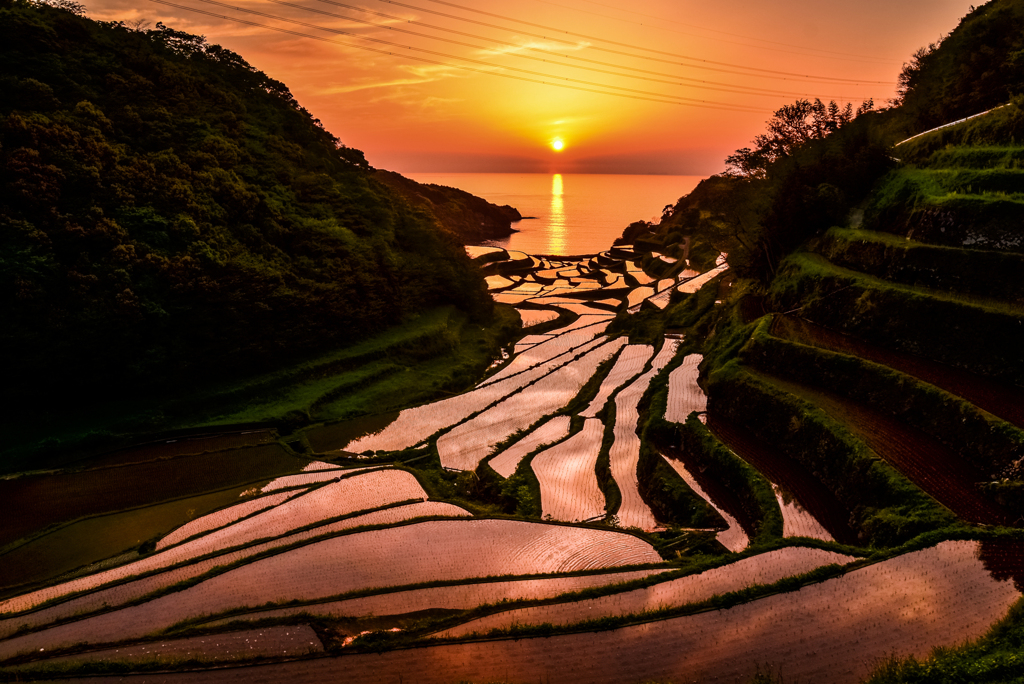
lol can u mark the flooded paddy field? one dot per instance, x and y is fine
(566, 472)
(625, 451)
(766, 568)
(76, 546)
(296, 640)
(457, 597)
(997, 398)
(733, 537)
(808, 509)
(431, 551)
(466, 445)
(684, 394)
(931, 465)
(833, 631)
(132, 590)
(390, 532)
(628, 365)
(506, 462)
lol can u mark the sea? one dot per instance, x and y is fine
(570, 214)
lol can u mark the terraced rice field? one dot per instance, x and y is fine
(567, 476)
(684, 394)
(584, 321)
(469, 443)
(624, 455)
(629, 364)
(531, 341)
(661, 299)
(430, 551)
(638, 295)
(797, 522)
(457, 597)
(414, 425)
(575, 306)
(922, 459)
(476, 251)
(362, 492)
(527, 288)
(131, 591)
(223, 517)
(835, 631)
(733, 537)
(694, 284)
(293, 641)
(319, 465)
(532, 317)
(996, 398)
(507, 461)
(808, 505)
(548, 349)
(641, 277)
(288, 554)
(497, 282)
(513, 298)
(76, 495)
(766, 568)
(306, 479)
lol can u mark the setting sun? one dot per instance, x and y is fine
(557, 144)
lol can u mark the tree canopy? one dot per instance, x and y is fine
(789, 128)
(170, 211)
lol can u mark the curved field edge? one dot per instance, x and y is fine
(887, 508)
(377, 642)
(975, 434)
(278, 550)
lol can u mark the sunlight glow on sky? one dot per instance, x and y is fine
(644, 86)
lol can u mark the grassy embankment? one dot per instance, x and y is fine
(993, 659)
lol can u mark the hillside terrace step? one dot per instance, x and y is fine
(923, 460)
(952, 330)
(978, 273)
(1004, 401)
(793, 478)
(809, 263)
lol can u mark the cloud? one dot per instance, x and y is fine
(338, 89)
(533, 46)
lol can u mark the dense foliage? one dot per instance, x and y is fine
(170, 210)
(816, 162)
(979, 65)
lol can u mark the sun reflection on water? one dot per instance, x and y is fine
(559, 232)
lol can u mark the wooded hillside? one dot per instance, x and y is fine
(169, 210)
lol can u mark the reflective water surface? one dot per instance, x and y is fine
(574, 213)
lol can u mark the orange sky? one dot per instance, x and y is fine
(651, 62)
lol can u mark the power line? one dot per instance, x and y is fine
(700, 61)
(659, 99)
(679, 80)
(474, 61)
(839, 55)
